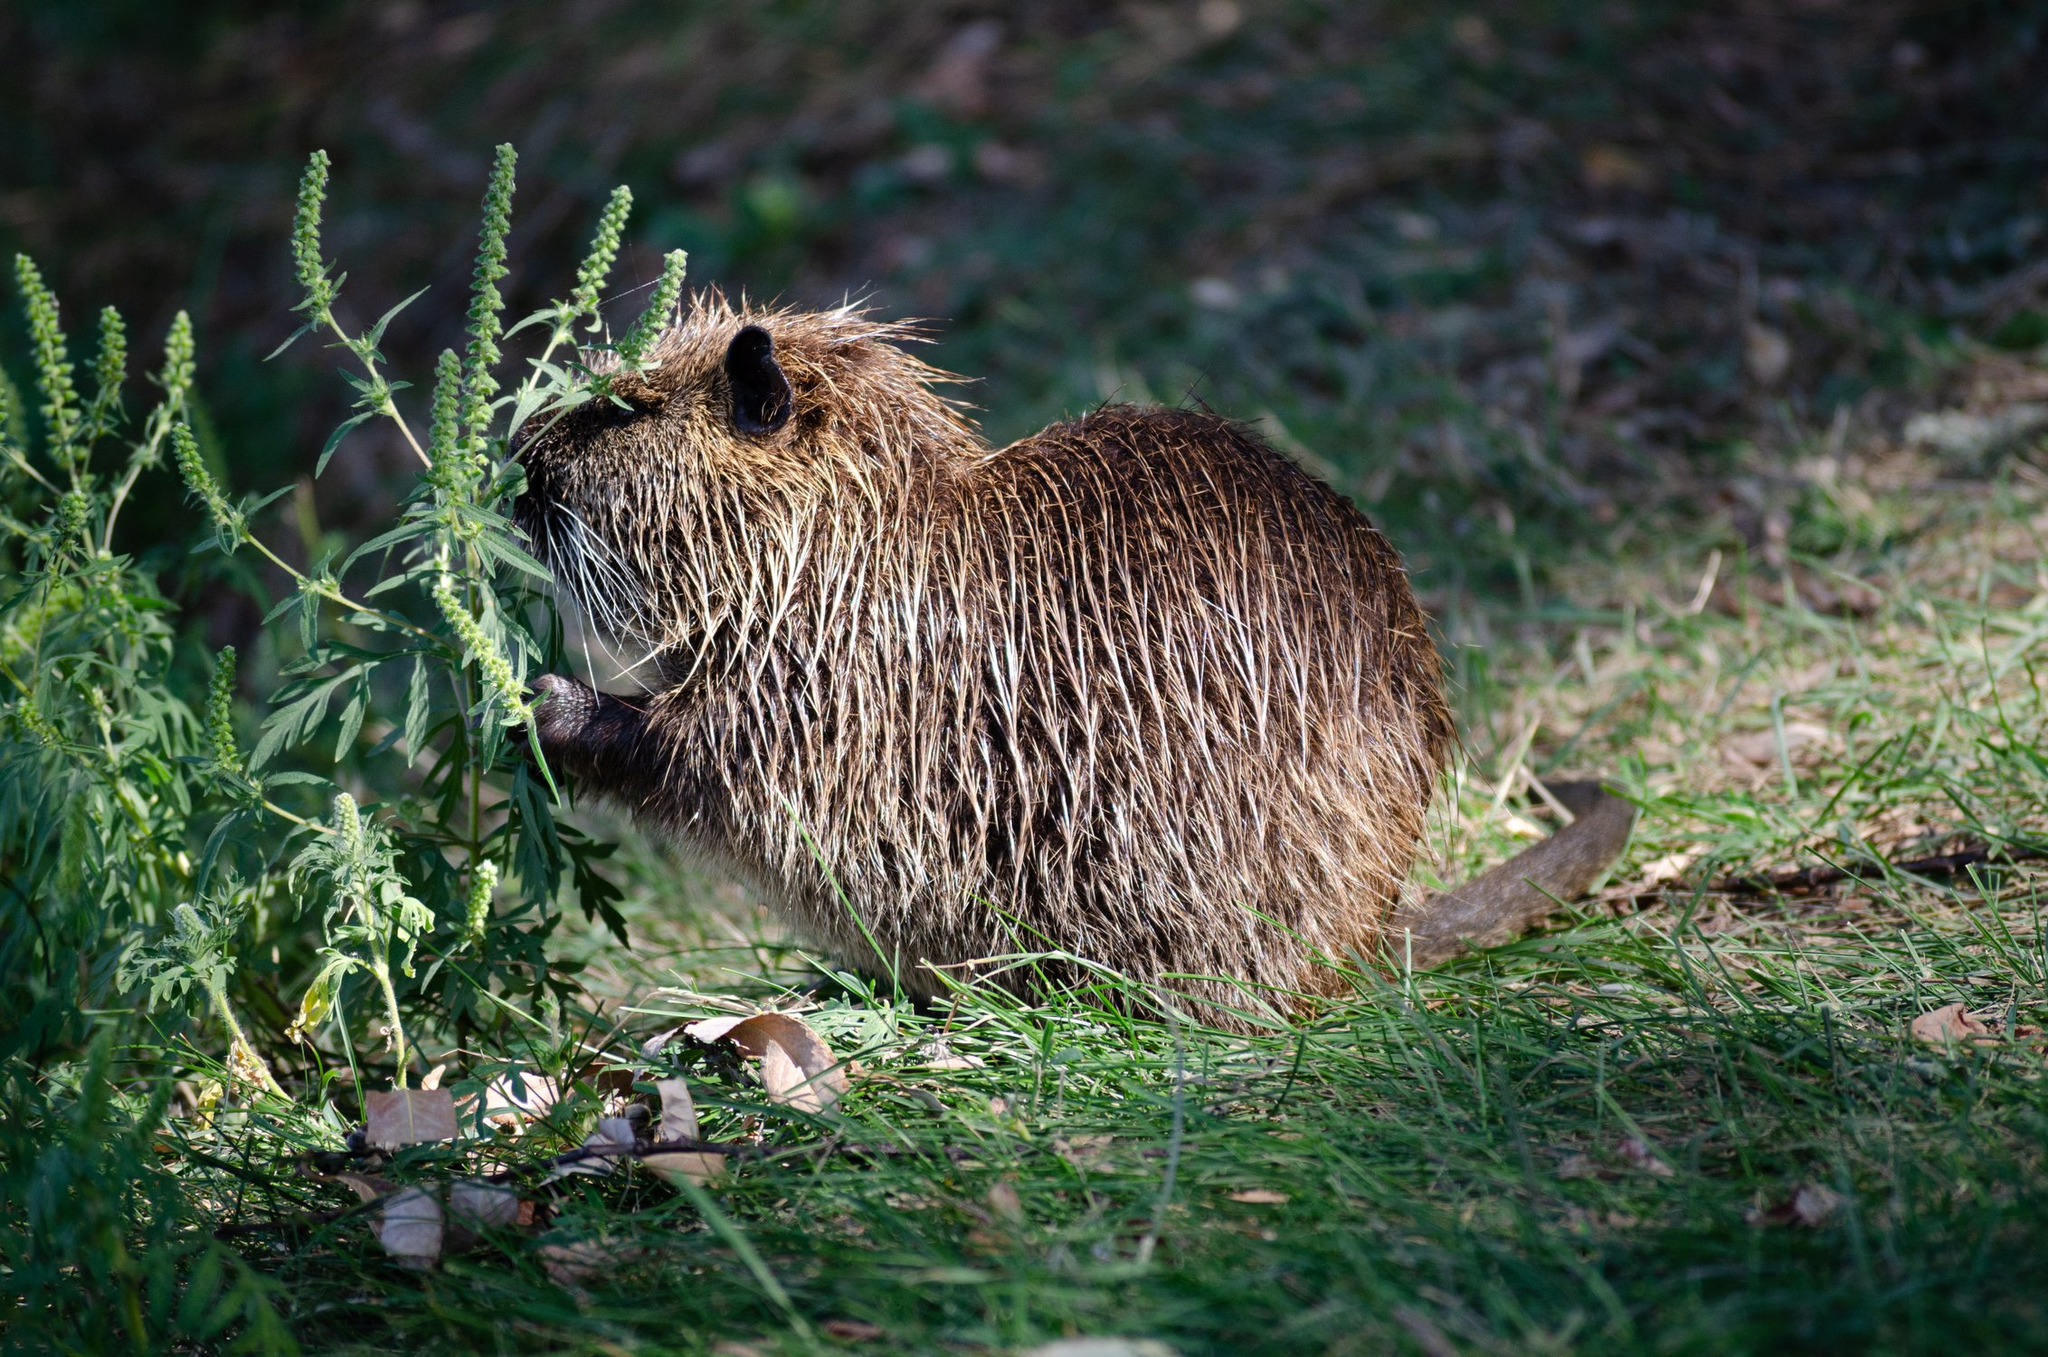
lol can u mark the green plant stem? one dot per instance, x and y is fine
(332, 593)
(382, 970)
(366, 356)
(23, 464)
(145, 456)
(238, 1040)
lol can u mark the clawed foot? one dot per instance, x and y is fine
(587, 733)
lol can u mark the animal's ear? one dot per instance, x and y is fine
(760, 393)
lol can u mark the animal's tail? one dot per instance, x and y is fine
(1505, 901)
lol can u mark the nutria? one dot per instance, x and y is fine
(1136, 689)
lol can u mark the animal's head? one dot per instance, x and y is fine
(680, 506)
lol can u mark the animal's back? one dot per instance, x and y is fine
(1141, 690)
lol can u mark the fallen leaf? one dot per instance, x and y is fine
(1670, 867)
(578, 1260)
(1951, 1022)
(410, 1227)
(1606, 166)
(1814, 1205)
(512, 1096)
(1577, 1166)
(1003, 1201)
(786, 1082)
(679, 1122)
(820, 1078)
(409, 1116)
(1766, 353)
(852, 1330)
(477, 1205)
(1263, 1196)
(1082, 1152)
(1638, 1152)
(1102, 1347)
(1811, 1205)
(1961, 434)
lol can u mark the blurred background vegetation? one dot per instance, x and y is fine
(1502, 270)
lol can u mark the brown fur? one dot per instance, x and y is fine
(1136, 688)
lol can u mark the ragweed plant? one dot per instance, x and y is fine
(438, 621)
(384, 838)
(102, 793)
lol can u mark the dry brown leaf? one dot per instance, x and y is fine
(852, 1330)
(477, 1205)
(786, 1082)
(1639, 1153)
(409, 1116)
(1260, 1196)
(1004, 1203)
(576, 1261)
(1951, 1022)
(1814, 1205)
(410, 1227)
(821, 1079)
(1670, 867)
(679, 1122)
(531, 1095)
(1766, 352)
(1606, 166)
(1811, 1205)
(1083, 1152)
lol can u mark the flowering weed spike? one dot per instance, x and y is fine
(446, 457)
(478, 384)
(660, 310)
(176, 377)
(604, 251)
(220, 719)
(317, 288)
(483, 884)
(110, 372)
(348, 828)
(53, 362)
(74, 509)
(497, 673)
(227, 519)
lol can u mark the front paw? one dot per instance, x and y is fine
(562, 711)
